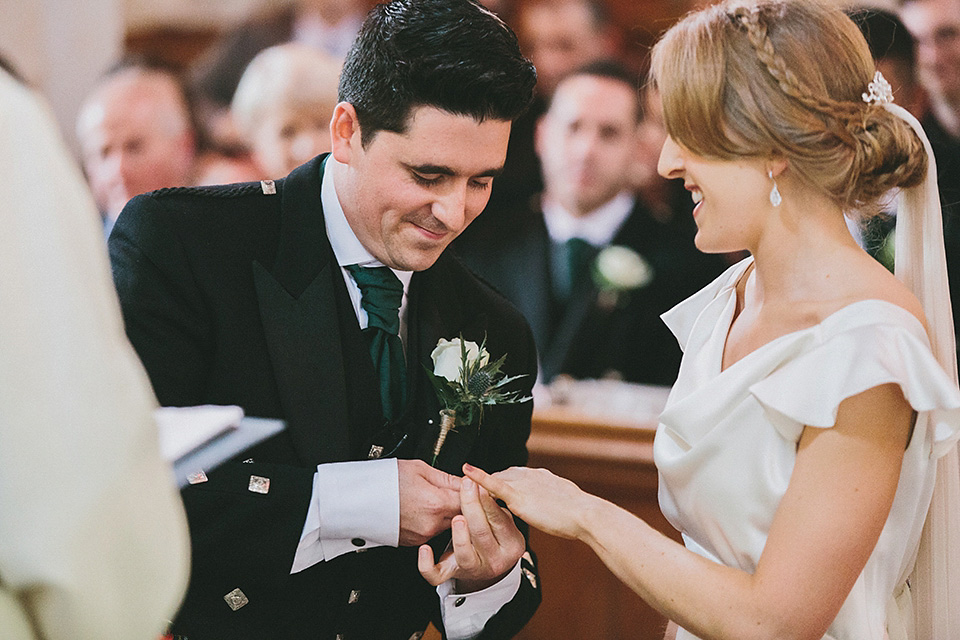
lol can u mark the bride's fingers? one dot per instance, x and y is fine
(497, 487)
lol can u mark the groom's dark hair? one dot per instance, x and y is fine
(450, 54)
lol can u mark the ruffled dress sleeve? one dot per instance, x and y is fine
(683, 317)
(868, 344)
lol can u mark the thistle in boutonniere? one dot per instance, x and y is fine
(617, 271)
(466, 381)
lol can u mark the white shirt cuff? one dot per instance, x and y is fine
(465, 614)
(355, 505)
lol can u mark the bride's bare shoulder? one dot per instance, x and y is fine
(874, 282)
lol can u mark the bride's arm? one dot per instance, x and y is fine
(825, 528)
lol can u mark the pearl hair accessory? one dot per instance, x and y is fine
(878, 91)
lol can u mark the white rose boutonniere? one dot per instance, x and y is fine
(619, 270)
(466, 381)
(448, 358)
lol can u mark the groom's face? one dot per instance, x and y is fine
(408, 195)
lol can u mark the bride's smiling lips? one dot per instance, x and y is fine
(695, 194)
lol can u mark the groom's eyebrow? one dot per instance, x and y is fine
(443, 170)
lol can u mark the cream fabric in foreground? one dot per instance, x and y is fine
(93, 540)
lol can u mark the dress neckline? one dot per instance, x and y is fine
(729, 292)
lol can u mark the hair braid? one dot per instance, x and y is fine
(771, 97)
(844, 119)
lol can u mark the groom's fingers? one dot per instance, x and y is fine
(464, 550)
(435, 574)
(500, 519)
(438, 478)
(476, 515)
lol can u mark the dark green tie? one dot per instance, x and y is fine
(579, 254)
(382, 294)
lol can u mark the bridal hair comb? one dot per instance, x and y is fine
(878, 91)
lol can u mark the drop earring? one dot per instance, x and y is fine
(775, 198)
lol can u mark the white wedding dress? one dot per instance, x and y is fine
(726, 443)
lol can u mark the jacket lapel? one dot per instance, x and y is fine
(297, 308)
(529, 265)
(438, 309)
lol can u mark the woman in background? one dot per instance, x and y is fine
(798, 452)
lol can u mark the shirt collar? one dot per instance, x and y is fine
(597, 227)
(346, 247)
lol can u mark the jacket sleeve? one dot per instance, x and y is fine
(241, 538)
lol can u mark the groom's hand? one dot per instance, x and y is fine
(486, 544)
(429, 499)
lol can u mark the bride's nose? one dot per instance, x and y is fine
(670, 164)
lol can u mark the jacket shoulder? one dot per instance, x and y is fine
(217, 191)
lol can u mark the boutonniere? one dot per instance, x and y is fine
(466, 381)
(618, 270)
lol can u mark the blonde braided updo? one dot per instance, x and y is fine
(785, 78)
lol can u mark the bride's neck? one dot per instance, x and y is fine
(797, 256)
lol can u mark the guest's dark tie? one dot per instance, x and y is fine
(382, 294)
(579, 254)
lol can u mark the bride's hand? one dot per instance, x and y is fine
(543, 500)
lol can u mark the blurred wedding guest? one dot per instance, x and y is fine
(589, 266)
(283, 105)
(326, 25)
(558, 36)
(935, 25)
(561, 35)
(136, 135)
(93, 540)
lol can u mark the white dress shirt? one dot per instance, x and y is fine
(597, 227)
(361, 499)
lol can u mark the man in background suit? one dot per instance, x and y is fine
(589, 319)
(253, 294)
(136, 134)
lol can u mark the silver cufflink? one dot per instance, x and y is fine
(197, 477)
(236, 599)
(375, 452)
(259, 484)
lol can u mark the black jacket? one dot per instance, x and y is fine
(232, 296)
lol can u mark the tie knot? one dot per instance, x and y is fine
(382, 293)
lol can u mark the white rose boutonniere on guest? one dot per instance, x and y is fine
(466, 381)
(617, 271)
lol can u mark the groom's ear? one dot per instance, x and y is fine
(345, 140)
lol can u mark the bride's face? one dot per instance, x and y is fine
(732, 197)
